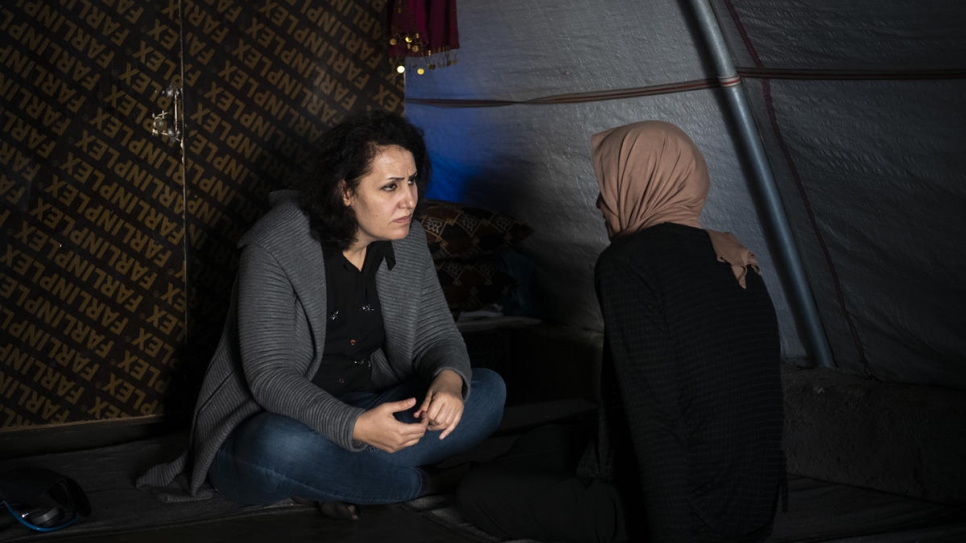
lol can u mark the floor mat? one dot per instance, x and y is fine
(107, 476)
(817, 511)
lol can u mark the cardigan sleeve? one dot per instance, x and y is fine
(644, 362)
(275, 366)
(438, 344)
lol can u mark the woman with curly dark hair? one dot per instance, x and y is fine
(343, 156)
(340, 371)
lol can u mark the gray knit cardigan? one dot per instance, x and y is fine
(274, 335)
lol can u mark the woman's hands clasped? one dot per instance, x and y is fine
(441, 410)
(443, 406)
(379, 428)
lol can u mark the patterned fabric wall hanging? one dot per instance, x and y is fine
(425, 30)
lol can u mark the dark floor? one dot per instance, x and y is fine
(818, 511)
(123, 513)
(382, 524)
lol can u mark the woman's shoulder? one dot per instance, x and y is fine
(658, 239)
(665, 249)
(285, 222)
(414, 244)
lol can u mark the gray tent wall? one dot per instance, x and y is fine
(533, 161)
(861, 108)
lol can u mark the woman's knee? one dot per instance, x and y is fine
(490, 383)
(269, 439)
(487, 396)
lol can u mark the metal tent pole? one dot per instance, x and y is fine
(777, 219)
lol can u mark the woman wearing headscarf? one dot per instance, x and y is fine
(688, 446)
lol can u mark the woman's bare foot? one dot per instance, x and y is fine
(339, 510)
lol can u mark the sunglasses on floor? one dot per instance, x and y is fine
(41, 499)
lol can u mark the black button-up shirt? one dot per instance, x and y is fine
(354, 329)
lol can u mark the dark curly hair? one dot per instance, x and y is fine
(345, 152)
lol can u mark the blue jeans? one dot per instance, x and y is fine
(270, 457)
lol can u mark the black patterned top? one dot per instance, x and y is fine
(354, 329)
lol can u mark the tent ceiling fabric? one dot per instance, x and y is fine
(858, 35)
(885, 195)
(513, 50)
(871, 171)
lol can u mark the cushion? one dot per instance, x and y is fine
(459, 231)
(472, 285)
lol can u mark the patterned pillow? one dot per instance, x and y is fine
(472, 285)
(458, 231)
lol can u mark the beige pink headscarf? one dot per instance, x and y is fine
(650, 173)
